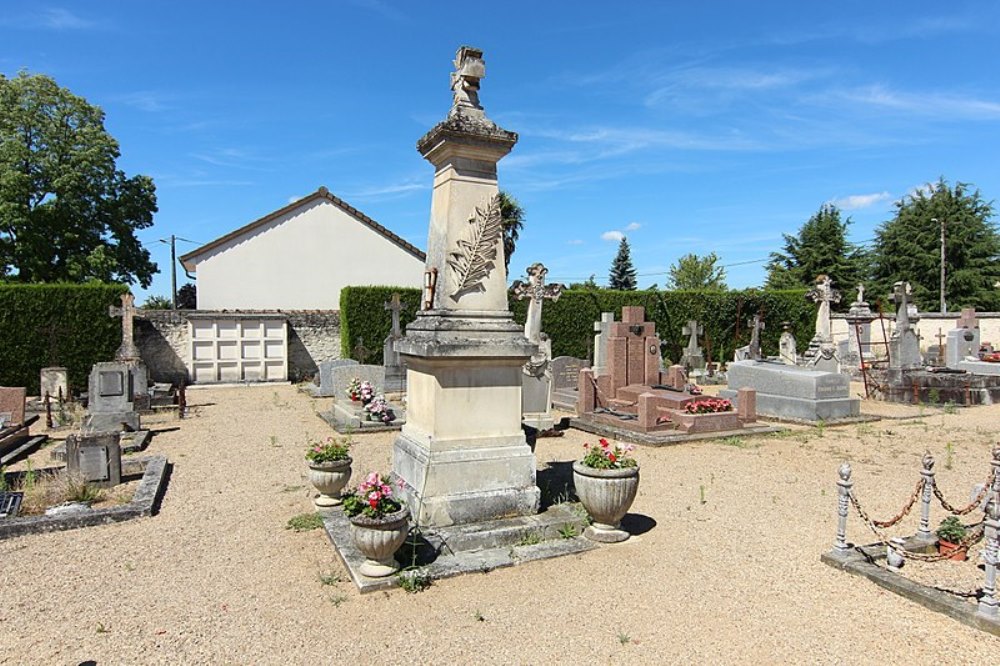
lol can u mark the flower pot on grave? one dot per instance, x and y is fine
(607, 495)
(378, 539)
(329, 478)
(950, 549)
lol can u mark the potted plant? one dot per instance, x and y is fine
(379, 409)
(606, 482)
(329, 469)
(950, 533)
(379, 524)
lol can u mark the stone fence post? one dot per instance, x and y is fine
(989, 604)
(924, 532)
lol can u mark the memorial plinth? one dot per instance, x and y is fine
(793, 393)
(462, 456)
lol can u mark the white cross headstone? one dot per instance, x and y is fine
(603, 332)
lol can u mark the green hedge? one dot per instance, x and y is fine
(45, 325)
(569, 321)
(364, 319)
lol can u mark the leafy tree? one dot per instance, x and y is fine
(590, 284)
(66, 212)
(156, 303)
(187, 297)
(697, 273)
(908, 247)
(622, 274)
(512, 219)
(820, 247)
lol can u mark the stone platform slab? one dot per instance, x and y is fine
(469, 548)
(663, 437)
(349, 419)
(792, 393)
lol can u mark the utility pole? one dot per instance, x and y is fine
(944, 309)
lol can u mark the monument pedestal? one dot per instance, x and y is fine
(462, 455)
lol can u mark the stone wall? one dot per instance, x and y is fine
(928, 326)
(163, 340)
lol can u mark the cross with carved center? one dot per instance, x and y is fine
(395, 306)
(535, 289)
(127, 351)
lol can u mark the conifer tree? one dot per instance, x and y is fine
(622, 274)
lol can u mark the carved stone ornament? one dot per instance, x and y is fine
(475, 255)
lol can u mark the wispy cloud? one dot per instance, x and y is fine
(53, 18)
(233, 158)
(632, 226)
(144, 100)
(612, 236)
(575, 241)
(859, 201)
(390, 190)
(931, 104)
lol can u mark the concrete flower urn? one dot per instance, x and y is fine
(329, 478)
(378, 539)
(606, 494)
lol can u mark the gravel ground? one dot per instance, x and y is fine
(728, 572)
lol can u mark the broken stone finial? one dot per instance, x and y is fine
(928, 461)
(469, 69)
(844, 471)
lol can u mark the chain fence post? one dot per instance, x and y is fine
(844, 485)
(989, 604)
(924, 532)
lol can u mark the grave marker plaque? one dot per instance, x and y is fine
(112, 383)
(95, 458)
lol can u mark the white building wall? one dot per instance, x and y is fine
(301, 261)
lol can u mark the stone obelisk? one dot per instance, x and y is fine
(462, 454)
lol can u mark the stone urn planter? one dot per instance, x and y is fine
(329, 478)
(378, 539)
(607, 495)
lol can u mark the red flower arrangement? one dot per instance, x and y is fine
(709, 406)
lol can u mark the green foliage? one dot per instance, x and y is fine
(305, 522)
(530, 539)
(329, 450)
(694, 272)
(66, 212)
(951, 530)
(512, 220)
(590, 284)
(908, 247)
(56, 324)
(187, 297)
(363, 317)
(78, 490)
(414, 580)
(568, 531)
(157, 303)
(605, 456)
(622, 274)
(819, 248)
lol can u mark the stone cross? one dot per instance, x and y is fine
(602, 330)
(469, 69)
(693, 329)
(360, 351)
(861, 294)
(535, 289)
(824, 294)
(758, 325)
(395, 306)
(900, 291)
(968, 319)
(127, 351)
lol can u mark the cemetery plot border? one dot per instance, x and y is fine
(863, 561)
(668, 437)
(155, 472)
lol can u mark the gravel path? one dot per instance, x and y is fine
(216, 577)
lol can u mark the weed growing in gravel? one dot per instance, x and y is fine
(701, 493)
(329, 579)
(950, 407)
(478, 616)
(820, 428)
(305, 522)
(738, 442)
(291, 489)
(568, 531)
(623, 638)
(530, 539)
(101, 629)
(78, 490)
(414, 580)
(949, 450)
(274, 441)
(338, 599)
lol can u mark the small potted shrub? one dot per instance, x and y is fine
(379, 524)
(606, 482)
(950, 533)
(329, 469)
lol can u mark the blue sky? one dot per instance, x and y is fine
(689, 127)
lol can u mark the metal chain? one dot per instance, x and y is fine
(987, 486)
(906, 509)
(972, 538)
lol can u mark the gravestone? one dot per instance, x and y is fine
(95, 458)
(342, 375)
(787, 346)
(128, 353)
(462, 456)
(566, 372)
(395, 369)
(692, 356)
(793, 393)
(12, 404)
(326, 387)
(109, 403)
(15, 438)
(821, 353)
(751, 351)
(962, 345)
(54, 382)
(536, 390)
(602, 329)
(859, 331)
(904, 344)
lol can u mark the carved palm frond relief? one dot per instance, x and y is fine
(476, 254)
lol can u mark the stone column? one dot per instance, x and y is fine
(989, 604)
(462, 455)
(924, 531)
(844, 485)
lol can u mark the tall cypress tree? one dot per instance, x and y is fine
(622, 274)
